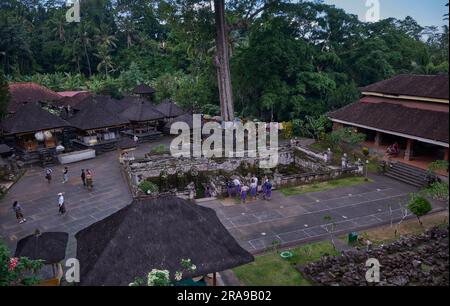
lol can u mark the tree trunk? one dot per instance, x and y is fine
(222, 63)
(88, 61)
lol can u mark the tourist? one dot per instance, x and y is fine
(83, 177)
(393, 150)
(267, 190)
(48, 175)
(207, 192)
(61, 204)
(244, 191)
(230, 189)
(65, 175)
(89, 179)
(19, 214)
(254, 188)
(263, 187)
(237, 185)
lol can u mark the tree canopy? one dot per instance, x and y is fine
(288, 60)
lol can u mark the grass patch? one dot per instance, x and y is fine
(386, 234)
(272, 270)
(323, 186)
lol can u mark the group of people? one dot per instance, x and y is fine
(393, 150)
(236, 188)
(86, 179)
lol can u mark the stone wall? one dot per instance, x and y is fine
(421, 260)
(313, 168)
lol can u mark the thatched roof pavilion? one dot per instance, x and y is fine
(141, 111)
(49, 246)
(31, 118)
(144, 89)
(97, 115)
(156, 234)
(170, 109)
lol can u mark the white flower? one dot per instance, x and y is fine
(178, 276)
(156, 274)
(193, 267)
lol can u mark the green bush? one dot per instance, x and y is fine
(159, 149)
(438, 191)
(419, 206)
(365, 151)
(148, 187)
(17, 271)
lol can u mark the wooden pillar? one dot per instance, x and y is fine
(409, 150)
(446, 154)
(378, 138)
(337, 126)
(214, 279)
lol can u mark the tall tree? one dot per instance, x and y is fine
(222, 62)
(4, 95)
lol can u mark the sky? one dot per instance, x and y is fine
(425, 12)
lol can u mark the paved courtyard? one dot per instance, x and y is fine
(256, 225)
(298, 219)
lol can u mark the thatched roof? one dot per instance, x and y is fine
(27, 92)
(143, 89)
(170, 109)
(426, 86)
(49, 246)
(141, 110)
(156, 234)
(112, 104)
(32, 118)
(187, 118)
(5, 149)
(74, 99)
(97, 115)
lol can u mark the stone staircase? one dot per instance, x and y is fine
(407, 174)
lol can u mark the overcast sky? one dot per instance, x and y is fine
(425, 12)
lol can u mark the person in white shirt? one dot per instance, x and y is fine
(61, 204)
(237, 184)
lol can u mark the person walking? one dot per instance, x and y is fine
(254, 187)
(65, 175)
(61, 204)
(237, 185)
(244, 191)
(89, 179)
(19, 213)
(48, 175)
(267, 190)
(83, 177)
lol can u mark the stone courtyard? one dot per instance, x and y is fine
(289, 220)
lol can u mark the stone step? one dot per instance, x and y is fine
(413, 176)
(404, 179)
(408, 168)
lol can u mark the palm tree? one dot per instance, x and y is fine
(106, 42)
(83, 39)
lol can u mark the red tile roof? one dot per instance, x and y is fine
(424, 86)
(421, 123)
(22, 93)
